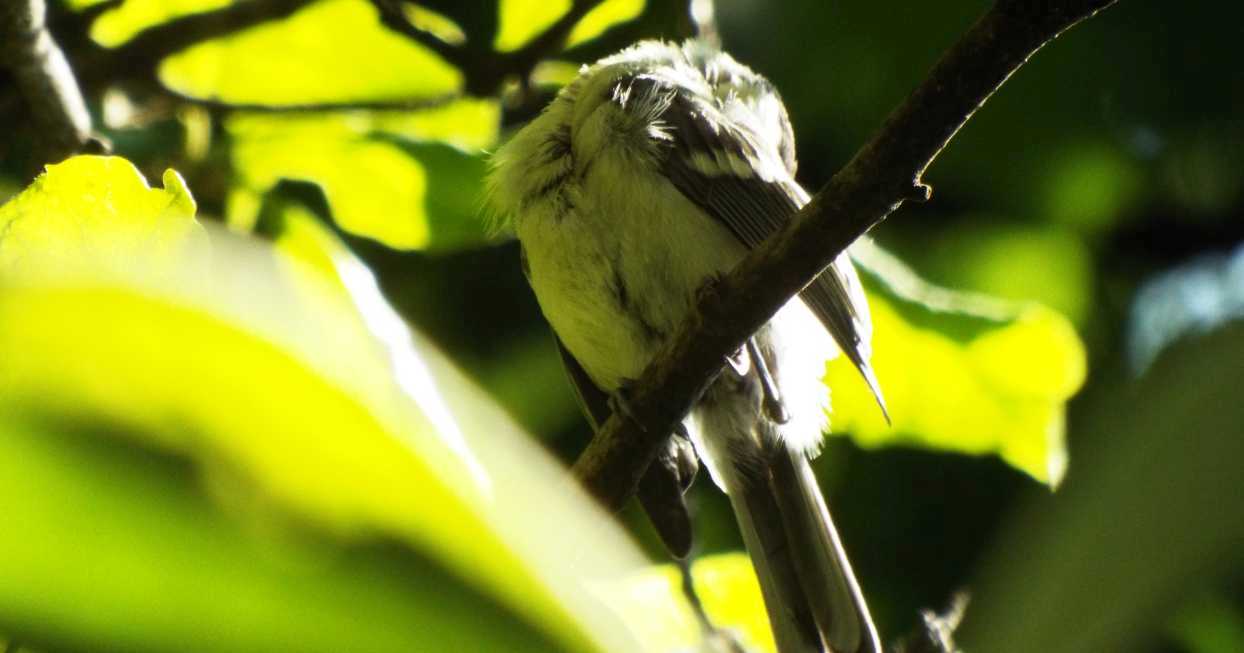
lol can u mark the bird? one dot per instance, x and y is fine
(646, 178)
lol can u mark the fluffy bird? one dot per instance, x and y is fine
(650, 175)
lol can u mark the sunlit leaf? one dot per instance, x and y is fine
(961, 372)
(998, 258)
(133, 16)
(300, 398)
(727, 586)
(397, 177)
(553, 73)
(332, 51)
(604, 16)
(95, 210)
(442, 27)
(522, 20)
(114, 547)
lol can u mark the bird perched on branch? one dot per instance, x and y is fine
(650, 175)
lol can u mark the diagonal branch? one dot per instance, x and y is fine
(882, 175)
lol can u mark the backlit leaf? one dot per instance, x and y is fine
(961, 372)
(523, 20)
(331, 51)
(407, 179)
(304, 406)
(727, 586)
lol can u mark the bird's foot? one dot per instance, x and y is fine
(620, 404)
(772, 402)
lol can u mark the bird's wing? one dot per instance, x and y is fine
(734, 178)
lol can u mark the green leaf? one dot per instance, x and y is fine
(1209, 624)
(604, 16)
(727, 586)
(118, 548)
(119, 25)
(283, 387)
(1151, 514)
(522, 20)
(995, 256)
(960, 372)
(396, 177)
(92, 210)
(331, 51)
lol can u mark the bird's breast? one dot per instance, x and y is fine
(615, 260)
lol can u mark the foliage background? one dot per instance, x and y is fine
(1112, 159)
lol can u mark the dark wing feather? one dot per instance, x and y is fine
(592, 400)
(754, 207)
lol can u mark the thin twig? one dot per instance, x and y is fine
(392, 17)
(936, 632)
(550, 41)
(882, 175)
(143, 53)
(483, 69)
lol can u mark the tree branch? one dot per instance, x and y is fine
(483, 69)
(144, 52)
(58, 113)
(550, 41)
(392, 17)
(882, 175)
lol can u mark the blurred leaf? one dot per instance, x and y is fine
(604, 16)
(133, 16)
(523, 20)
(382, 175)
(1090, 186)
(726, 584)
(529, 378)
(293, 388)
(1150, 513)
(332, 51)
(960, 372)
(1203, 169)
(1209, 624)
(95, 210)
(1192, 299)
(442, 27)
(998, 258)
(554, 74)
(108, 547)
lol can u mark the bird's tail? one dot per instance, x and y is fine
(810, 593)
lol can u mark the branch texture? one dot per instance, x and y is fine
(44, 79)
(144, 52)
(882, 174)
(483, 69)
